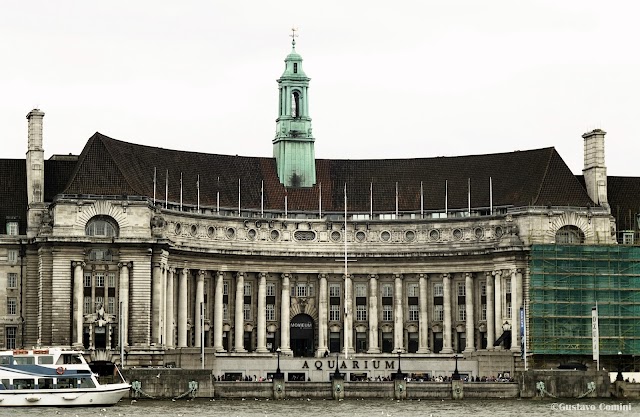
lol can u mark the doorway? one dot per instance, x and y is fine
(302, 335)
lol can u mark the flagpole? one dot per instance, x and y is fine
(166, 189)
(396, 199)
(155, 169)
(239, 214)
(446, 198)
(346, 287)
(490, 197)
(285, 204)
(181, 191)
(218, 197)
(320, 200)
(469, 195)
(198, 186)
(371, 199)
(421, 201)
(262, 198)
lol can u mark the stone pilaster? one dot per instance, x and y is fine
(348, 315)
(470, 322)
(123, 292)
(78, 288)
(374, 345)
(498, 304)
(322, 316)
(446, 336)
(239, 314)
(156, 303)
(197, 316)
(218, 313)
(515, 311)
(182, 308)
(262, 314)
(398, 316)
(170, 325)
(423, 323)
(491, 329)
(285, 305)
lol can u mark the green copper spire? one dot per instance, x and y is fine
(293, 145)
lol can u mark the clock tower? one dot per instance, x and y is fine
(293, 145)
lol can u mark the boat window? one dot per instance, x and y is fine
(23, 384)
(66, 383)
(45, 360)
(86, 383)
(24, 360)
(5, 383)
(5, 360)
(70, 359)
(45, 383)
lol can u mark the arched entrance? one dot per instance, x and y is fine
(302, 335)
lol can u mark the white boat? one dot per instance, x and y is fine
(53, 377)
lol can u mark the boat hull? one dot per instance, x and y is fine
(103, 395)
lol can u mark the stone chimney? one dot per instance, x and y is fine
(595, 170)
(35, 172)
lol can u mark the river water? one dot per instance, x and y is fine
(346, 408)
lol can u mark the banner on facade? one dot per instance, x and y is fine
(595, 335)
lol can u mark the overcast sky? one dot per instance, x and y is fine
(399, 79)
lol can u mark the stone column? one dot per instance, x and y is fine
(515, 312)
(374, 346)
(123, 292)
(197, 316)
(218, 312)
(170, 325)
(470, 322)
(498, 304)
(446, 336)
(163, 306)
(322, 316)
(285, 304)
(348, 315)
(491, 329)
(423, 323)
(398, 316)
(78, 301)
(262, 314)
(182, 308)
(156, 303)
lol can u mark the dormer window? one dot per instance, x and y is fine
(102, 226)
(12, 228)
(295, 67)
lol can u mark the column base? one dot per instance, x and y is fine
(243, 350)
(375, 350)
(447, 350)
(262, 350)
(423, 350)
(469, 350)
(286, 351)
(321, 352)
(219, 349)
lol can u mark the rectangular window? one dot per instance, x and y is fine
(99, 302)
(247, 312)
(225, 288)
(12, 280)
(247, 289)
(111, 280)
(360, 217)
(334, 313)
(111, 305)
(12, 306)
(462, 312)
(361, 290)
(507, 283)
(438, 290)
(87, 306)
(413, 290)
(301, 290)
(462, 290)
(387, 313)
(483, 312)
(361, 313)
(271, 312)
(225, 311)
(387, 216)
(12, 256)
(271, 289)
(310, 292)
(99, 279)
(413, 313)
(627, 238)
(387, 290)
(12, 228)
(438, 312)
(509, 309)
(334, 290)
(483, 289)
(87, 280)
(11, 333)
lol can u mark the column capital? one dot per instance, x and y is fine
(263, 275)
(323, 276)
(497, 272)
(124, 264)
(157, 264)
(424, 275)
(201, 274)
(469, 274)
(373, 276)
(185, 271)
(172, 270)
(285, 276)
(80, 264)
(398, 276)
(240, 274)
(220, 274)
(488, 273)
(446, 276)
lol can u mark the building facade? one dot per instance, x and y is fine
(163, 254)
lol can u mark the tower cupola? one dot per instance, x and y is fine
(293, 145)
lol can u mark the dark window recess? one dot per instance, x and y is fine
(100, 292)
(387, 301)
(413, 301)
(483, 299)
(361, 301)
(87, 291)
(437, 301)
(334, 301)
(461, 299)
(205, 298)
(111, 292)
(295, 67)
(271, 299)
(508, 298)
(225, 299)
(247, 299)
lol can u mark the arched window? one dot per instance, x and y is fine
(102, 226)
(295, 104)
(571, 235)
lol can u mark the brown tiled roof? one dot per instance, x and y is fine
(623, 194)
(535, 177)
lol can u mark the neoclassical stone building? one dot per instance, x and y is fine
(164, 252)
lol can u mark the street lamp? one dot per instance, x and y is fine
(619, 376)
(456, 374)
(278, 374)
(336, 373)
(398, 374)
